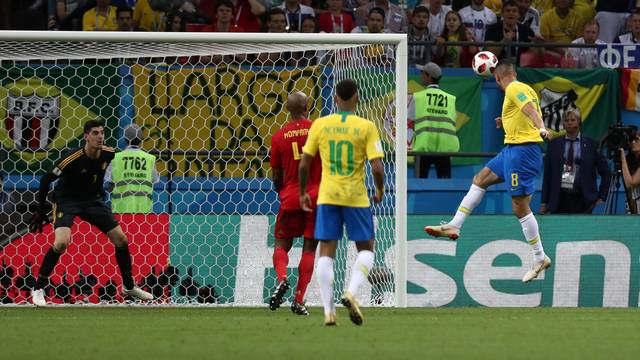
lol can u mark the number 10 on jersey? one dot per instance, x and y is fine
(339, 151)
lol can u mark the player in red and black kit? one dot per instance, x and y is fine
(79, 193)
(286, 152)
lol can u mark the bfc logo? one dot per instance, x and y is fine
(32, 120)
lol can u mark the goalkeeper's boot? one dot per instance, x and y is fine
(137, 293)
(536, 269)
(37, 297)
(330, 319)
(299, 308)
(278, 295)
(443, 230)
(352, 305)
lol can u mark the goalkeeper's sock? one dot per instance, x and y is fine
(471, 200)
(280, 262)
(530, 229)
(360, 270)
(123, 258)
(48, 263)
(305, 270)
(325, 279)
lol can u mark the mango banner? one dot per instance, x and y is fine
(198, 112)
(44, 108)
(595, 92)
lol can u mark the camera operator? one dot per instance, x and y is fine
(630, 164)
(571, 167)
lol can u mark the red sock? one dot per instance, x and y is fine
(280, 262)
(305, 270)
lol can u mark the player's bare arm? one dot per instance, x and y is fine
(530, 110)
(303, 174)
(277, 177)
(377, 168)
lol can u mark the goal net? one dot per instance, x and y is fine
(207, 105)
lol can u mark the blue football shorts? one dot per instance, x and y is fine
(518, 165)
(331, 218)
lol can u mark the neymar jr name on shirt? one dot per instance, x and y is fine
(340, 130)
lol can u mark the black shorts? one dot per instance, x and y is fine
(95, 212)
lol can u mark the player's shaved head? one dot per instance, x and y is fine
(297, 104)
(505, 67)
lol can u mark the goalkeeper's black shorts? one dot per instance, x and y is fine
(95, 212)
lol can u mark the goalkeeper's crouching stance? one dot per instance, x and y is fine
(79, 193)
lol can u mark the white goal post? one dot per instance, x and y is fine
(208, 104)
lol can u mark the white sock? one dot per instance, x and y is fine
(471, 200)
(325, 279)
(360, 270)
(530, 230)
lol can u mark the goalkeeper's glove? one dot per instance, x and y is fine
(39, 218)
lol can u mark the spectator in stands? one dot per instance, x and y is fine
(419, 31)
(276, 23)
(477, 18)
(585, 8)
(125, 19)
(151, 15)
(100, 18)
(60, 10)
(176, 22)
(335, 20)
(395, 20)
(571, 167)
(632, 37)
(529, 16)
(191, 13)
(508, 30)
(437, 15)
(562, 24)
(435, 123)
(454, 55)
(586, 58)
(131, 187)
(614, 14)
(295, 13)
(631, 174)
(224, 19)
(247, 14)
(375, 23)
(310, 25)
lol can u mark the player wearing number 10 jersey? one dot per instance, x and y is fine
(286, 151)
(345, 141)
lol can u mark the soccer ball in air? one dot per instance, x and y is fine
(484, 63)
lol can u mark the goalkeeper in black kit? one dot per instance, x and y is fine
(79, 193)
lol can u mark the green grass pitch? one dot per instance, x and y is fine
(257, 333)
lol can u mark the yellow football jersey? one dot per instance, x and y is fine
(518, 128)
(345, 142)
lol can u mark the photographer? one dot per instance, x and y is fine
(571, 168)
(630, 164)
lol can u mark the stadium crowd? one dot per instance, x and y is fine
(435, 21)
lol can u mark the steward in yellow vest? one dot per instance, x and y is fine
(434, 123)
(131, 176)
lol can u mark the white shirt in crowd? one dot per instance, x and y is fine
(436, 22)
(586, 58)
(532, 19)
(477, 21)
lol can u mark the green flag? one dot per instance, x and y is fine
(467, 91)
(594, 92)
